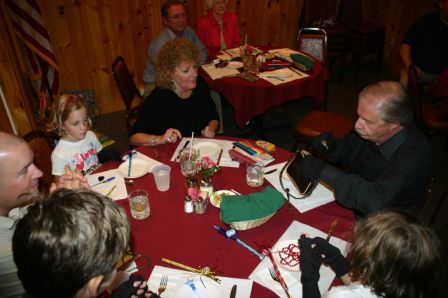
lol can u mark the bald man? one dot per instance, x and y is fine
(18, 176)
(385, 162)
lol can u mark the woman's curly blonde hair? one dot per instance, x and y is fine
(172, 54)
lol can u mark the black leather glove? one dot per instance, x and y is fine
(127, 288)
(311, 167)
(332, 256)
(310, 262)
(325, 143)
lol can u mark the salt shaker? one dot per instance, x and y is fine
(188, 205)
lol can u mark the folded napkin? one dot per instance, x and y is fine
(177, 278)
(303, 60)
(120, 192)
(254, 206)
(261, 273)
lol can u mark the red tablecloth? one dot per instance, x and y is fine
(250, 99)
(190, 239)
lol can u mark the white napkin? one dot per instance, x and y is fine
(295, 75)
(118, 193)
(292, 279)
(139, 155)
(177, 278)
(320, 196)
(284, 53)
(225, 145)
(219, 72)
(235, 52)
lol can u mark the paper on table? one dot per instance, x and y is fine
(224, 56)
(119, 192)
(235, 52)
(139, 155)
(295, 75)
(176, 279)
(261, 273)
(284, 53)
(320, 196)
(226, 161)
(219, 72)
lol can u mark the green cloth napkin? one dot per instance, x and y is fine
(302, 60)
(253, 206)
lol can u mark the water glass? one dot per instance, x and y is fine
(186, 158)
(162, 177)
(255, 174)
(139, 203)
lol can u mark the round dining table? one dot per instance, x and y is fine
(252, 99)
(191, 239)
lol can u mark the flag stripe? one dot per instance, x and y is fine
(24, 18)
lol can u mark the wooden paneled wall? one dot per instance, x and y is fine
(88, 34)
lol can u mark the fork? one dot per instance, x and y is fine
(163, 284)
(275, 277)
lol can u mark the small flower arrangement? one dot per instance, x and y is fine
(206, 168)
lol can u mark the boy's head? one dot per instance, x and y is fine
(69, 243)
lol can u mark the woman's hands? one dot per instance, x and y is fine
(170, 136)
(210, 130)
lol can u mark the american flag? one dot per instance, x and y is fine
(26, 19)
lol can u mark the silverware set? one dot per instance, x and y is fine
(163, 284)
(275, 277)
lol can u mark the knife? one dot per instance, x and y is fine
(233, 292)
(183, 147)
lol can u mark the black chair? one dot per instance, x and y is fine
(128, 90)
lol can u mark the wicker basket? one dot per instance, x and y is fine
(249, 224)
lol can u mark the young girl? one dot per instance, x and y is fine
(78, 146)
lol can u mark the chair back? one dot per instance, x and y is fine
(125, 82)
(128, 90)
(313, 41)
(42, 145)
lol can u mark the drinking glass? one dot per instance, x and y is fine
(186, 158)
(139, 203)
(162, 177)
(255, 174)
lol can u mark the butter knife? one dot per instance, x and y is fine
(233, 292)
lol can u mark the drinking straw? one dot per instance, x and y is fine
(191, 145)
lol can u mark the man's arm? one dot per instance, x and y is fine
(405, 53)
(191, 35)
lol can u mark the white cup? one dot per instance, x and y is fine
(162, 177)
(139, 203)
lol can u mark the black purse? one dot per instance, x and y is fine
(303, 185)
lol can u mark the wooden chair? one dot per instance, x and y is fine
(315, 14)
(128, 90)
(313, 41)
(364, 37)
(317, 122)
(430, 114)
(42, 145)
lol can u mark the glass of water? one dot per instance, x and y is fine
(255, 174)
(139, 203)
(186, 158)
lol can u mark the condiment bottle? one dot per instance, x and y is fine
(188, 205)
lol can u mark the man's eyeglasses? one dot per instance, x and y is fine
(178, 16)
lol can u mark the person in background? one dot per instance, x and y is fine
(68, 245)
(219, 29)
(181, 102)
(174, 16)
(386, 161)
(78, 147)
(18, 176)
(392, 255)
(426, 44)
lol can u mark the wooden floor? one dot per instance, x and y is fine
(342, 100)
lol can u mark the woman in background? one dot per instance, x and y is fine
(219, 29)
(180, 104)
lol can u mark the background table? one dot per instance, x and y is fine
(190, 239)
(250, 99)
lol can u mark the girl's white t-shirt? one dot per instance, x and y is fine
(81, 155)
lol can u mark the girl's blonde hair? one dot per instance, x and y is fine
(62, 108)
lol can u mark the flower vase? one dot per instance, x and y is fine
(206, 186)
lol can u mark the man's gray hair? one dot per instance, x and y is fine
(395, 107)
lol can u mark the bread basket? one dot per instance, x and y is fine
(249, 224)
